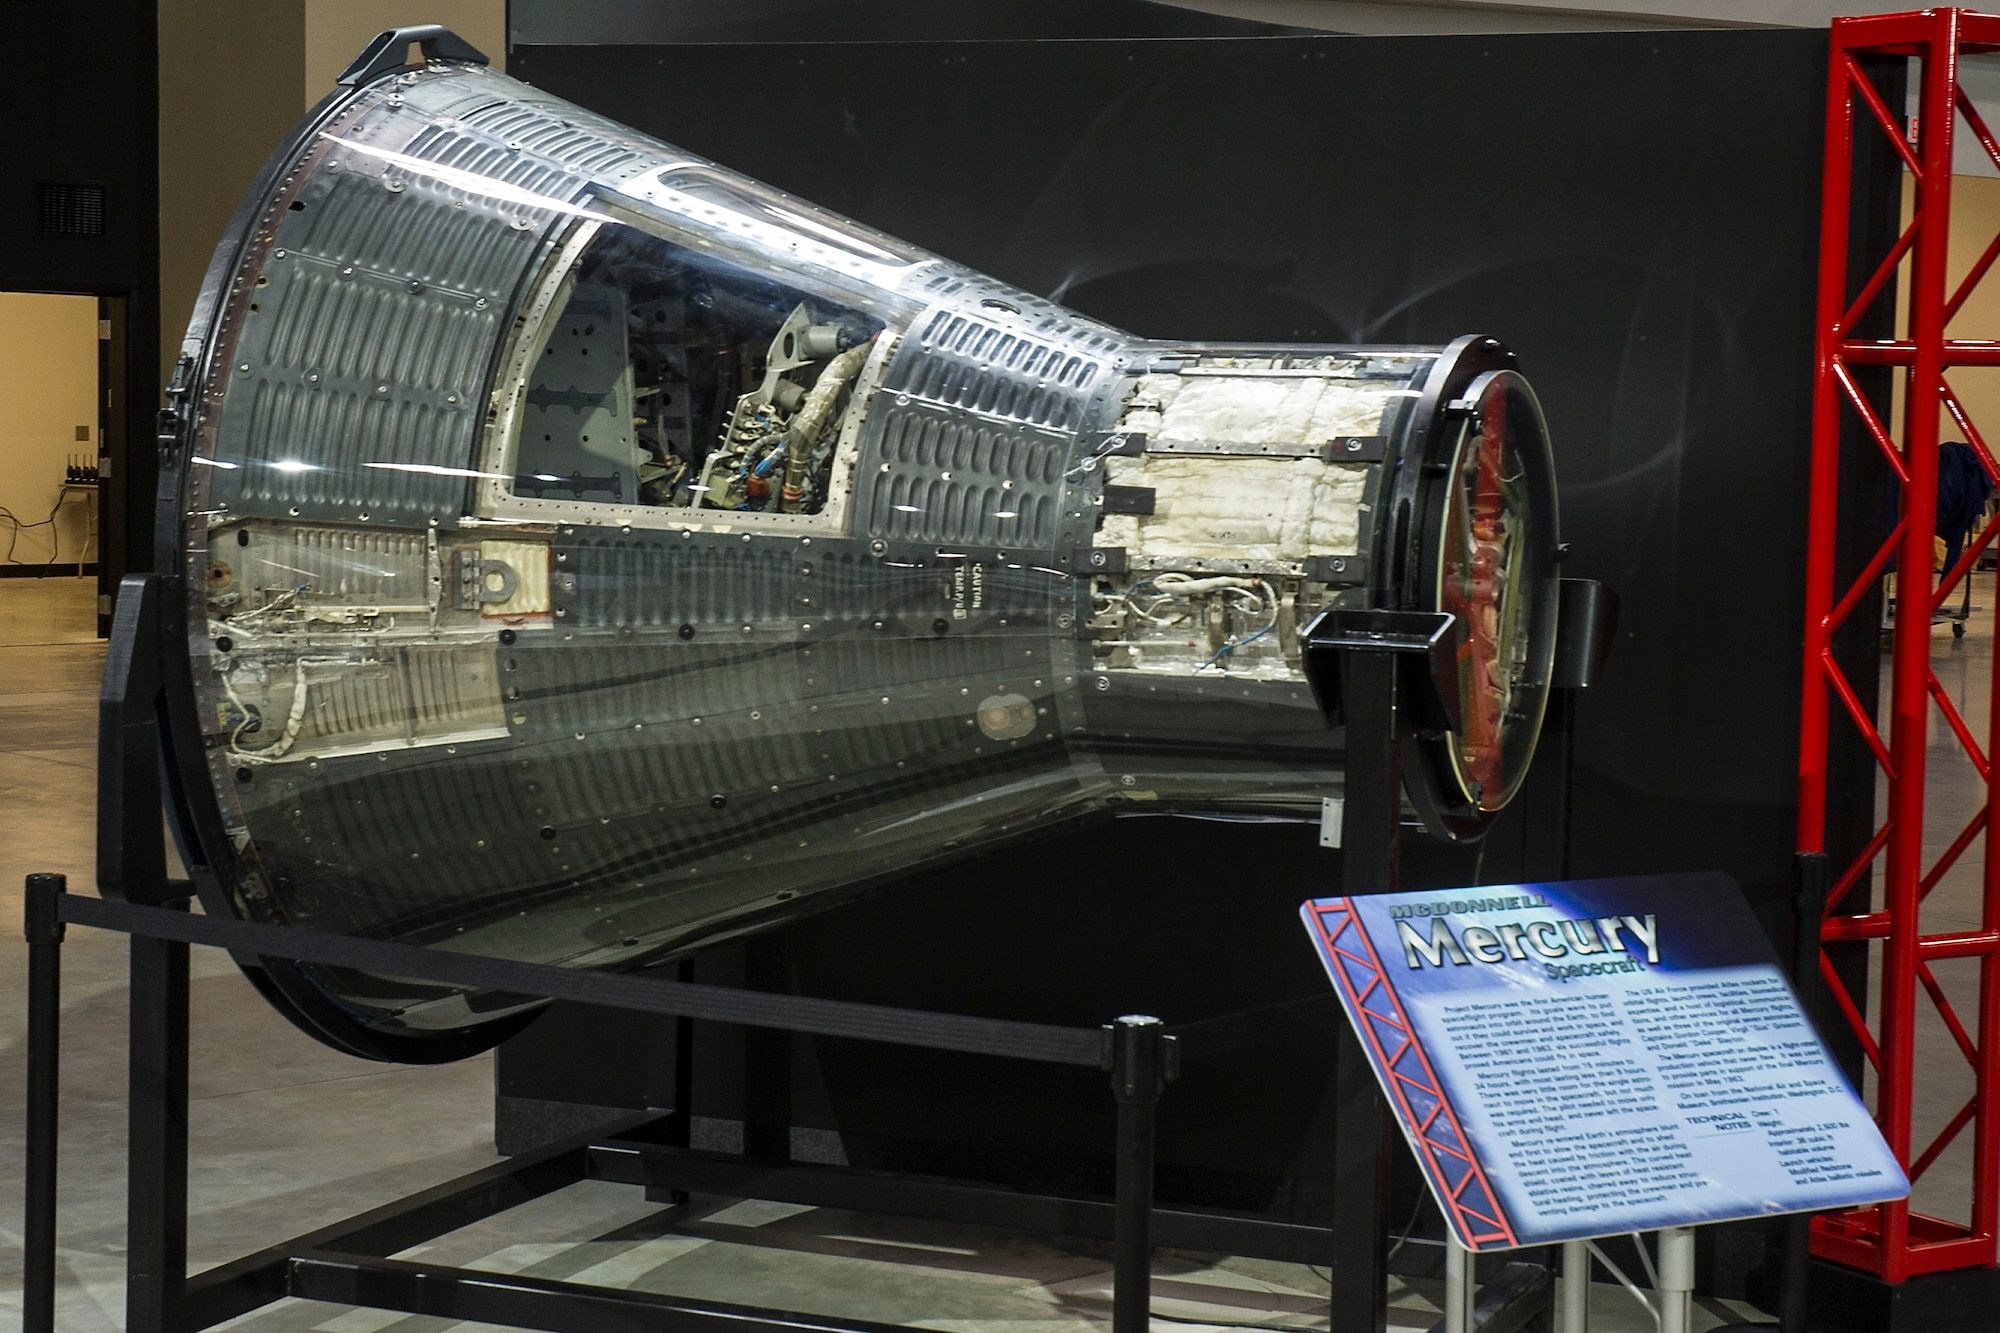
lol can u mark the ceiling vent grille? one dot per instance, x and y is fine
(70, 209)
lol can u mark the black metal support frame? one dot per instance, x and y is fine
(349, 1262)
(1386, 675)
(1373, 671)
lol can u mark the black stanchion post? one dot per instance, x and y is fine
(1141, 1064)
(38, 1238)
(157, 1104)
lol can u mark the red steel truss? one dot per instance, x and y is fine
(1892, 1241)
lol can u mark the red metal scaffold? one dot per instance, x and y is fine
(1891, 1240)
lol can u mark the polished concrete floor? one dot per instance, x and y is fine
(286, 1135)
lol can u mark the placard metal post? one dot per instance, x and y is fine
(1676, 1280)
(1575, 1302)
(1458, 1286)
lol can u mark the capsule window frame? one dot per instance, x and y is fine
(494, 497)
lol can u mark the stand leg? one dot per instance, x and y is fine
(157, 1101)
(1372, 824)
(670, 1080)
(767, 1063)
(38, 1257)
(1575, 1287)
(1458, 1286)
(1370, 861)
(1359, 1266)
(1676, 1293)
(683, 1128)
(1138, 1075)
(1796, 1276)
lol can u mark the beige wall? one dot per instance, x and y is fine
(235, 76)
(230, 72)
(48, 388)
(1975, 219)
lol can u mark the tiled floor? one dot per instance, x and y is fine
(286, 1135)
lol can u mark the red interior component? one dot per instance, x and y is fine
(1474, 580)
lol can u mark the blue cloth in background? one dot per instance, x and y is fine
(1962, 490)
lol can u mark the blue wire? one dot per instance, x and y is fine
(1232, 647)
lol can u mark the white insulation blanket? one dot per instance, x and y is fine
(1230, 410)
(1210, 507)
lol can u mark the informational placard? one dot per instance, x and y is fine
(1598, 1056)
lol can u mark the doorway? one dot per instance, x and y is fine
(61, 419)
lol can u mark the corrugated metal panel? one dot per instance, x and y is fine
(367, 341)
(651, 582)
(959, 360)
(947, 480)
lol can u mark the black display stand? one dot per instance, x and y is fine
(1370, 669)
(348, 1263)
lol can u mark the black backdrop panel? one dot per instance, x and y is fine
(1636, 213)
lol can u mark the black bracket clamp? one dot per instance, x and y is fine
(1423, 643)
(1586, 621)
(131, 851)
(389, 51)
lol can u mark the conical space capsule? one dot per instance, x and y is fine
(580, 553)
